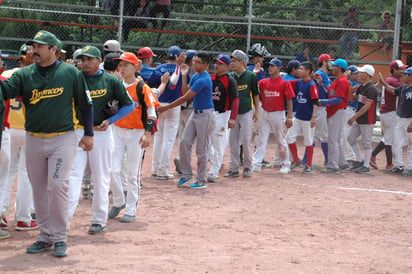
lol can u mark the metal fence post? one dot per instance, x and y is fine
(249, 25)
(120, 28)
(397, 35)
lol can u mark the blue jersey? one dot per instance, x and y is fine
(201, 84)
(353, 103)
(326, 82)
(288, 78)
(146, 72)
(171, 93)
(263, 74)
(305, 93)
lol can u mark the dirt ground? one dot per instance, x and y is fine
(346, 223)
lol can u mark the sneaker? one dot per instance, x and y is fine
(344, 167)
(33, 217)
(307, 170)
(85, 192)
(395, 169)
(331, 170)
(4, 234)
(60, 249)
(39, 247)
(266, 164)
(387, 168)
(197, 185)
(372, 162)
(96, 228)
(177, 166)
(127, 218)
(277, 163)
(114, 211)
(356, 165)
(232, 174)
(256, 169)
(407, 172)
(294, 165)
(212, 178)
(3, 221)
(21, 226)
(183, 181)
(165, 177)
(246, 172)
(284, 170)
(363, 170)
(154, 174)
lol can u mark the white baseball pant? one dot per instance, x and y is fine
(402, 137)
(241, 134)
(220, 137)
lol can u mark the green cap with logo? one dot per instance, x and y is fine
(90, 51)
(44, 38)
(23, 49)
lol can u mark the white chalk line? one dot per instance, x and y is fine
(367, 189)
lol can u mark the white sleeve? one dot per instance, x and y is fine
(151, 112)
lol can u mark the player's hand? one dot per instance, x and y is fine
(318, 78)
(86, 143)
(161, 109)
(256, 69)
(145, 140)
(103, 126)
(409, 129)
(313, 122)
(351, 121)
(165, 78)
(255, 116)
(231, 123)
(181, 59)
(381, 80)
(184, 69)
(289, 123)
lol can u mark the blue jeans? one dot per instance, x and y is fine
(348, 48)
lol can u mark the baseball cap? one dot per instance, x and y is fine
(397, 64)
(111, 45)
(76, 54)
(109, 62)
(239, 55)
(340, 63)
(408, 71)
(191, 53)
(324, 57)
(367, 69)
(293, 64)
(128, 57)
(90, 51)
(275, 62)
(353, 69)
(145, 53)
(44, 38)
(23, 49)
(223, 59)
(174, 51)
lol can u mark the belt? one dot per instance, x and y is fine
(46, 135)
(197, 111)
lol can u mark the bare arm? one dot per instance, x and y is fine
(387, 87)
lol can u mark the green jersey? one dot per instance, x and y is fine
(105, 87)
(48, 97)
(247, 84)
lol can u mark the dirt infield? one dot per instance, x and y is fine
(346, 223)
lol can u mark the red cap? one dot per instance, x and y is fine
(145, 53)
(397, 64)
(128, 57)
(324, 57)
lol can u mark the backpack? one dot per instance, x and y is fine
(140, 97)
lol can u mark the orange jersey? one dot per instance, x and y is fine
(134, 119)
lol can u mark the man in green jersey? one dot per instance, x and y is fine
(48, 89)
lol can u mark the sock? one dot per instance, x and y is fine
(325, 151)
(388, 152)
(305, 157)
(309, 149)
(381, 146)
(294, 150)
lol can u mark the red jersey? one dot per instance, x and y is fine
(339, 88)
(388, 100)
(274, 92)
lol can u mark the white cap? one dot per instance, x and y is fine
(368, 69)
(111, 45)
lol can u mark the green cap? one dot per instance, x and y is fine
(90, 51)
(23, 49)
(45, 38)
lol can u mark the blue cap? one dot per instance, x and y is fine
(408, 71)
(191, 53)
(223, 58)
(353, 69)
(340, 63)
(276, 62)
(174, 51)
(293, 64)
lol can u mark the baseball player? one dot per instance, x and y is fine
(104, 87)
(364, 119)
(131, 136)
(3, 234)
(247, 86)
(48, 90)
(274, 93)
(388, 115)
(200, 124)
(305, 119)
(403, 128)
(146, 55)
(352, 74)
(226, 103)
(5, 185)
(335, 109)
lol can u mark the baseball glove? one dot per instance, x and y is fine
(112, 107)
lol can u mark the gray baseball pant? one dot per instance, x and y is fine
(336, 156)
(366, 131)
(242, 132)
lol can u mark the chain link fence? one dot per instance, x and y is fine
(288, 29)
